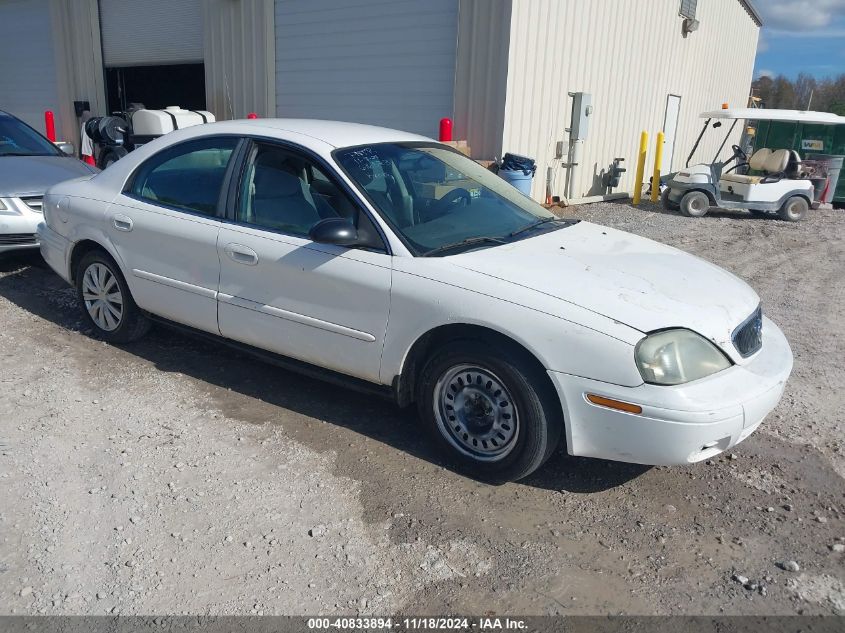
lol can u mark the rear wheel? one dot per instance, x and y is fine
(105, 299)
(794, 209)
(695, 204)
(496, 418)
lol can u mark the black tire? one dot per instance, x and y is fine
(537, 421)
(695, 204)
(794, 209)
(108, 159)
(667, 203)
(131, 324)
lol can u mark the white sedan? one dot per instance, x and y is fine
(396, 264)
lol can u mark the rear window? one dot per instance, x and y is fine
(187, 176)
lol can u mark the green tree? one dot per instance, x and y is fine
(828, 94)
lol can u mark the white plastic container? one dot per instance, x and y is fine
(158, 122)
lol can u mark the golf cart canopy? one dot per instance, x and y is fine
(763, 114)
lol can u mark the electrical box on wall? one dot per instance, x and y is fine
(582, 110)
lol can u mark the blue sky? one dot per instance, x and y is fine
(801, 35)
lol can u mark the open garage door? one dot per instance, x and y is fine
(367, 61)
(27, 62)
(153, 53)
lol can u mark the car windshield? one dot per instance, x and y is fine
(438, 200)
(18, 139)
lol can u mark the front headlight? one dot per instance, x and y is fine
(673, 357)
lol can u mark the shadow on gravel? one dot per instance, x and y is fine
(31, 286)
(10, 262)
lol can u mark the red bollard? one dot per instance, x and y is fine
(445, 129)
(252, 115)
(50, 125)
(89, 160)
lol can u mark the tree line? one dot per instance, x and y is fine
(804, 93)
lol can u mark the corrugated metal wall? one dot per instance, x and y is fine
(630, 56)
(27, 81)
(79, 62)
(481, 74)
(240, 60)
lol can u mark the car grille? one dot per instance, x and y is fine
(12, 239)
(35, 203)
(748, 337)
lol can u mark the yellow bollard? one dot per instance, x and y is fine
(638, 185)
(655, 175)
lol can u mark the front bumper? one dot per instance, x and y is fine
(17, 226)
(681, 424)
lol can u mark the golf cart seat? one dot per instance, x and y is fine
(795, 167)
(771, 163)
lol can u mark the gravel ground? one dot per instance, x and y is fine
(176, 476)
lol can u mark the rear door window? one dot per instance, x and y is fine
(187, 176)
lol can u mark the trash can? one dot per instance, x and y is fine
(833, 165)
(518, 171)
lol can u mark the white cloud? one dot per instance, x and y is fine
(800, 15)
(765, 72)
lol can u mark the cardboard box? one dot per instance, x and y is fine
(436, 190)
(461, 146)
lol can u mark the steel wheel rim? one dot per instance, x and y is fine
(795, 209)
(476, 413)
(102, 297)
(696, 203)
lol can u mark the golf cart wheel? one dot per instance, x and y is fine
(667, 203)
(695, 204)
(794, 209)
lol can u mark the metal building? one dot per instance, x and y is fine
(502, 69)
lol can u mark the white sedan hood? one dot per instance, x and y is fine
(636, 281)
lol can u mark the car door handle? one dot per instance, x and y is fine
(122, 222)
(241, 254)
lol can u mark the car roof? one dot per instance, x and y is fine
(334, 133)
(317, 135)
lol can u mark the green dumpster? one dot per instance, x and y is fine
(806, 139)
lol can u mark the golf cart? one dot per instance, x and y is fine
(767, 182)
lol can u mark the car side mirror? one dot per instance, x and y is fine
(338, 231)
(66, 147)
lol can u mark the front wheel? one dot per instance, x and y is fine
(105, 299)
(667, 203)
(695, 204)
(794, 209)
(497, 418)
